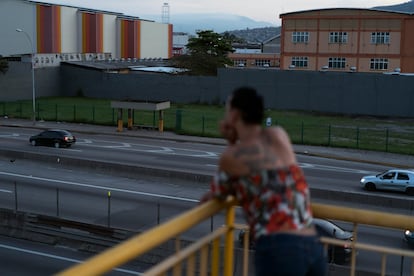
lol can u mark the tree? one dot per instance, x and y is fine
(4, 65)
(207, 52)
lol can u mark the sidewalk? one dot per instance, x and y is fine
(380, 158)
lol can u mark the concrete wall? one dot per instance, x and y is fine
(326, 92)
(17, 82)
(138, 86)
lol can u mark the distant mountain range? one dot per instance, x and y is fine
(191, 23)
(250, 30)
(219, 23)
(404, 7)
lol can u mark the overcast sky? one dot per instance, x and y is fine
(259, 10)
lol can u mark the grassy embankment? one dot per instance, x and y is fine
(379, 134)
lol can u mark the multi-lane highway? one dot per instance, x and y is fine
(170, 155)
(47, 183)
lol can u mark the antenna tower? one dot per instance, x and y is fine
(165, 17)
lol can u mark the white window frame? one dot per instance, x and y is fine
(379, 64)
(338, 37)
(337, 63)
(238, 62)
(380, 38)
(300, 37)
(301, 62)
(262, 62)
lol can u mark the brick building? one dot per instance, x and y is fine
(347, 39)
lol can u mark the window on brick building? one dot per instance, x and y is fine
(380, 38)
(379, 64)
(300, 37)
(338, 37)
(262, 62)
(240, 62)
(299, 62)
(337, 62)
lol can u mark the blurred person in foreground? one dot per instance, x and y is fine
(259, 168)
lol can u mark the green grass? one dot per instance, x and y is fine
(362, 132)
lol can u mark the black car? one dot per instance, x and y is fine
(53, 137)
(336, 254)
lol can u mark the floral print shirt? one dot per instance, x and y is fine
(271, 199)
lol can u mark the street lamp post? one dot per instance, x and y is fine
(33, 77)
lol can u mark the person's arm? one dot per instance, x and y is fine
(206, 197)
(218, 189)
(221, 184)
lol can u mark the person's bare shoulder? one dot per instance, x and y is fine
(280, 141)
(277, 135)
(230, 163)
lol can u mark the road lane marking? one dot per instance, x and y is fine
(332, 168)
(52, 256)
(323, 168)
(174, 151)
(153, 149)
(85, 141)
(123, 145)
(10, 135)
(106, 188)
(5, 191)
(162, 150)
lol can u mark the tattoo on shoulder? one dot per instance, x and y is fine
(247, 151)
(255, 157)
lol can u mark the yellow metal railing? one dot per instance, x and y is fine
(203, 257)
(366, 217)
(150, 239)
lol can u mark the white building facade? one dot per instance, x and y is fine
(57, 33)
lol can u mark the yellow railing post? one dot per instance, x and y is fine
(353, 255)
(229, 242)
(215, 257)
(246, 248)
(383, 264)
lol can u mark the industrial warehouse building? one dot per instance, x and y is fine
(58, 33)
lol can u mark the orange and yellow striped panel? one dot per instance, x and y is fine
(130, 38)
(48, 29)
(170, 40)
(92, 33)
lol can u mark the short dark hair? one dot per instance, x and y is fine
(249, 103)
